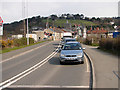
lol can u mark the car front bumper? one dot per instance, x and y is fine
(72, 60)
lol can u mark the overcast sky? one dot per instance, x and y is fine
(12, 10)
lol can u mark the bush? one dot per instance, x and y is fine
(3, 43)
(31, 40)
(15, 42)
(110, 44)
(80, 39)
(94, 41)
(88, 41)
(22, 41)
(9, 43)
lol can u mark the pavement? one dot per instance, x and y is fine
(106, 67)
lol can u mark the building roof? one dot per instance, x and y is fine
(102, 31)
(55, 30)
(58, 30)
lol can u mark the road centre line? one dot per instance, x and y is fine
(23, 53)
(45, 86)
(26, 72)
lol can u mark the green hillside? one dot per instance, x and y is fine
(61, 22)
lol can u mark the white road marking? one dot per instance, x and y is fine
(88, 67)
(26, 72)
(23, 53)
(45, 86)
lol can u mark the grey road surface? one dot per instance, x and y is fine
(106, 67)
(15, 66)
(19, 51)
(50, 74)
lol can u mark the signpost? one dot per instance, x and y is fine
(1, 26)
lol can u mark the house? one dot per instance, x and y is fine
(53, 33)
(34, 36)
(100, 33)
(58, 33)
(49, 33)
(17, 36)
(40, 34)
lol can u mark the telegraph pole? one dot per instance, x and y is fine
(23, 15)
(24, 28)
(27, 26)
(25, 4)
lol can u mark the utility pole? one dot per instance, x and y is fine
(23, 15)
(24, 28)
(27, 26)
(24, 5)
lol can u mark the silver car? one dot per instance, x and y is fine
(72, 52)
(65, 40)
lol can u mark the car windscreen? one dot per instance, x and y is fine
(72, 46)
(70, 40)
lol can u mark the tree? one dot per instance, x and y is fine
(93, 19)
(77, 16)
(81, 16)
(86, 18)
(53, 17)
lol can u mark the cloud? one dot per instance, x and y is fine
(12, 11)
(61, 0)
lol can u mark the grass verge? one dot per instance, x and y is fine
(15, 48)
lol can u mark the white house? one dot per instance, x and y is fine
(17, 36)
(34, 36)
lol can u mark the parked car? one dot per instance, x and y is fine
(65, 40)
(72, 52)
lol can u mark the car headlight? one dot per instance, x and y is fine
(80, 55)
(62, 55)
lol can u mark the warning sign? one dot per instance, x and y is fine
(1, 26)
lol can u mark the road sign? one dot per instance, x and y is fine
(1, 21)
(1, 30)
(1, 26)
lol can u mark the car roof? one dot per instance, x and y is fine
(69, 38)
(72, 42)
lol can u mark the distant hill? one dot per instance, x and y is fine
(17, 27)
(62, 21)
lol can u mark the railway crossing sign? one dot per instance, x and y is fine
(1, 26)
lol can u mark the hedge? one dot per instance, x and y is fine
(15, 42)
(112, 44)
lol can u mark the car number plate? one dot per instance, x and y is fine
(70, 58)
